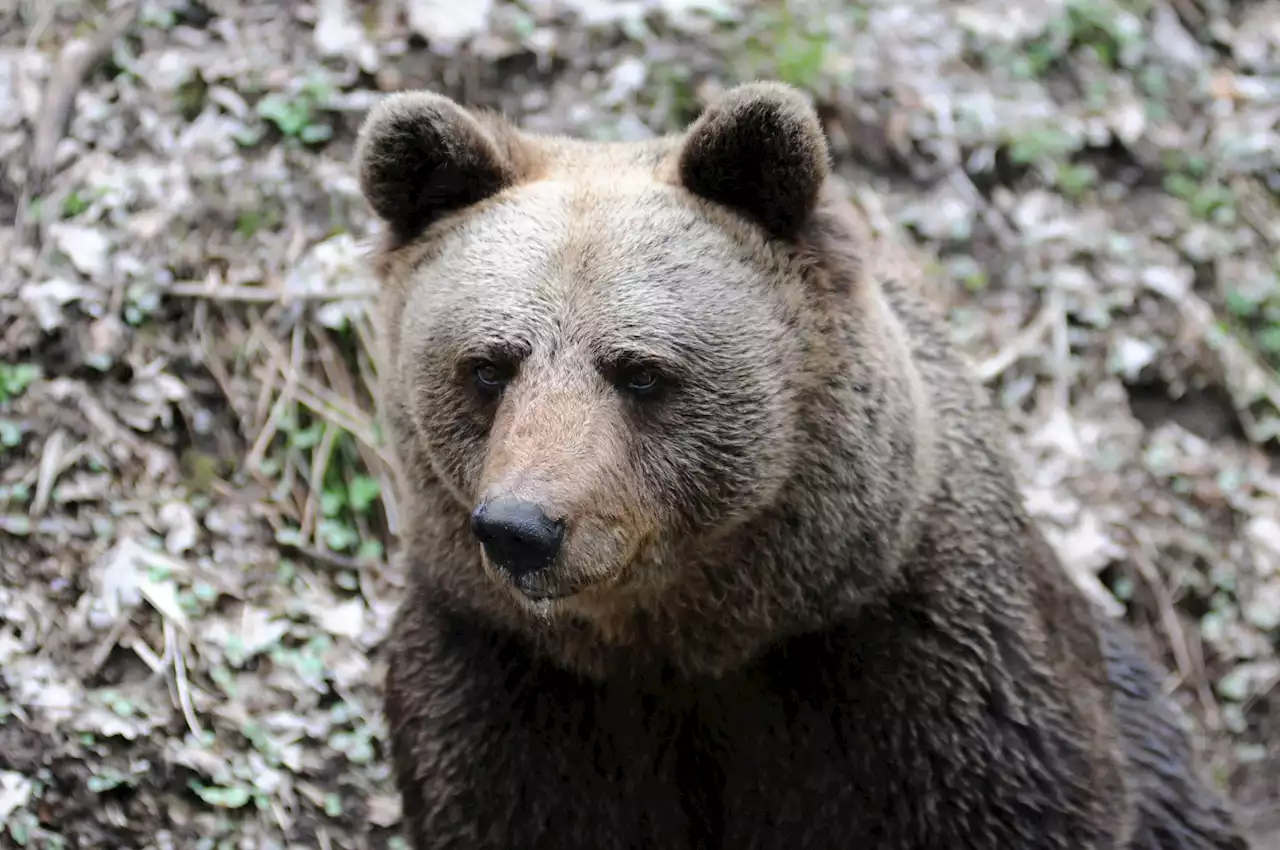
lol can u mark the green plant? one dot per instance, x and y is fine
(1037, 144)
(15, 378)
(786, 46)
(297, 115)
(1206, 198)
(1108, 29)
(1253, 314)
(1076, 179)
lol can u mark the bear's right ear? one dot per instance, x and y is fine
(421, 156)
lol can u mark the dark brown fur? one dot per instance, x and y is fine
(800, 603)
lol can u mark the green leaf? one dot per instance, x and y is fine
(1269, 339)
(225, 798)
(362, 492)
(15, 378)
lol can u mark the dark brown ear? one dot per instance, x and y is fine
(759, 150)
(421, 156)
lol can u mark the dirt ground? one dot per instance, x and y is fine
(194, 513)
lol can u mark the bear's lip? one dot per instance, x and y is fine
(548, 585)
(547, 597)
(542, 587)
(555, 584)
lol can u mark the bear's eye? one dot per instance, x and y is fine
(639, 380)
(490, 375)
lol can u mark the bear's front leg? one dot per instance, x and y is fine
(906, 733)
(496, 749)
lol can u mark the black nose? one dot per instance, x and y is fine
(517, 536)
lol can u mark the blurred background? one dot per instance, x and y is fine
(194, 511)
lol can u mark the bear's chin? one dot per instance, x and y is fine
(557, 590)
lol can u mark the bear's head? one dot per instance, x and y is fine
(597, 349)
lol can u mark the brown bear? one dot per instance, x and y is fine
(711, 540)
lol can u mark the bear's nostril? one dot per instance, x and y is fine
(517, 536)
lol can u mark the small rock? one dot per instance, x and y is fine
(1085, 550)
(1058, 433)
(1131, 356)
(170, 70)
(181, 527)
(15, 792)
(446, 24)
(1172, 41)
(46, 299)
(1263, 532)
(337, 33)
(86, 247)
(1128, 121)
(1172, 283)
(231, 520)
(81, 488)
(1248, 680)
(383, 810)
(626, 78)
(1263, 609)
(345, 620)
(105, 341)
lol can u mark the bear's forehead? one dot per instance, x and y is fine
(628, 262)
(621, 237)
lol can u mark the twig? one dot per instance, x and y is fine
(369, 363)
(256, 333)
(1191, 15)
(41, 25)
(994, 219)
(341, 379)
(216, 368)
(286, 397)
(1255, 209)
(327, 404)
(282, 817)
(326, 558)
(147, 654)
(1271, 683)
(180, 680)
(124, 445)
(319, 466)
(1061, 349)
(1018, 347)
(77, 60)
(103, 651)
(1144, 559)
(52, 463)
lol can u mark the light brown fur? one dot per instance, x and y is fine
(813, 520)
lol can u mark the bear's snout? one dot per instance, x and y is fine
(518, 537)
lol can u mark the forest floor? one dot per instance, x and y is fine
(194, 511)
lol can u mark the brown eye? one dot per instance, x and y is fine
(640, 380)
(491, 376)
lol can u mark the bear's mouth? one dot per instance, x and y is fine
(546, 585)
(557, 584)
(535, 590)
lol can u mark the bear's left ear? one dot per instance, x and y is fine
(421, 156)
(759, 150)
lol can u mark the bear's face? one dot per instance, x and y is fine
(600, 353)
(592, 342)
